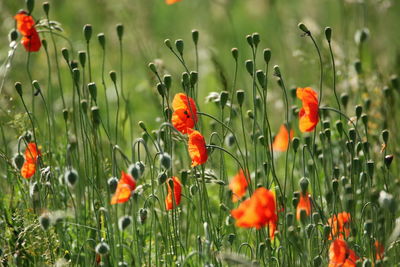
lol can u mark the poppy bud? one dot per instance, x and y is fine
(96, 115)
(289, 218)
(134, 171)
(249, 40)
(261, 138)
(231, 238)
(358, 111)
(304, 184)
(240, 97)
(46, 8)
(344, 98)
(33, 189)
(142, 125)
(193, 189)
(19, 161)
(339, 127)
(124, 222)
(102, 248)
(120, 31)
(352, 134)
(194, 76)
(295, 143)
(65, 114)
(326, 124)
(65, 53)
(76, 75)
(361, 36)
(358, 66)
(317, 261)
(224, 95)
(102, 40)
(322, 137)
(327, 133)
(363, 178)
(388, 160)
(316, 217)
(309, 227)
(165, 161)
(13, 35)
(142, 215)
(71, 177)
(93, 90)
(84, 105)
(195, 36)
(73, 64)
(277, 71)
(394, 80)
(167, 81)
(30, 5)
(160, 89)
(82, 58)
(256, 39)
(112, 184)
(356, 165)
(335, 185)
(303, 28)
(44, 221)
(87, 32)
(364, 119)
(328, 34)
(385, 136)
(185, 79)
(261, 78)
(295, 201)
(235, 53)
(162, 177)
(249, 66)
(152, 67)
(167, 42)
(267, 55)
(250, 114)
(18, 88)
(179, 44)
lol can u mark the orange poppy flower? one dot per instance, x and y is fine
(177, 190)
(340, 225)
(185, 113)
(308, 115)
(197, 148)
(379, 250)
(257, 211)
(238, 185)
(281, 140)
(170, 2)
(26, 26)
(31, 155)
(341, 255)
(304, 204)
(124, 189)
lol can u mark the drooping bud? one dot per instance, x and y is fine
(71, 177)
(87, 32)
(124, 222)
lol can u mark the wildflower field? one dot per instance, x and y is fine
(200, 133)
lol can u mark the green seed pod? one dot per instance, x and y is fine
(224, 95)
(231, 238)
(193, 189)
(328, 34)
(18, 88)
(162, 177)
(348, 189)
(18, 161)
(335, 185)
(339, 127)
(195, 36)
(364, 119)
(168, 43)
(124, 222)
(30, 4)
(102, 40)
(388, 160)
(120, 31)
(249, 40)
(44, 221)
(240, 97)
(73, 64)
(134, 171)
(304, 184)
(344, 99)
(71, 177)
(370, 168)
(358, 66)
(235, 53)
(256, 39)
(112, 184)
(363, 178)
(261, 139)
(326, 124)
(277, 71)
(352, 134)
(13, 35)
(185, 79)
(65, 54)
(82, 58)
(368, 227)
(44, 43)
(250, 114)
(309, 228)
(326, 231)
(303, 28)
(303, 216)
(194, 77)
(46, 8)
(87, 32)
(96, 115)
(84, 105)
(229, 220)
(179, 44)
(167, 79)
(344, 180)
(367, 263)
(161, 89)
(267, 55)
(93, 90)
(76, 75)
(65, 114)
(327, 133)
(261, 78)
(394, 80)
(317, 261)
(295, 201)
(113, 76)
(152, 67)
(249, 66)
(358, 110)
(385, 136)
(102, 248)
(142, 215)
(295, 143)
(165, 161)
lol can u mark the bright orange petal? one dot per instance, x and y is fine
(197, 148)
(31, 152)
(308, 115)
(28, 169)
(281, 140)
(122, 194)
(177, 191)
(238, 186)
(170, 2)
(304, 204)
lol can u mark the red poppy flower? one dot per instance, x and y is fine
(257, 211)
(197, 148)
(30, 37)
(304, 204)
(340, 225)
(238, 185)
(124, 189)
(341, 255)
(175, 195)
(170, 2)
(31, 155)
(185, 113)
(379, 250)
(308, 115)
(281, 140)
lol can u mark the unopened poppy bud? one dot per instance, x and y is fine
(102, 248)
(82, 58)
(134, 171)
(335, 185)
(394, 80)
(367, 263)
(120, 31)
(95, 115)
(289, 218)
(194, 76)
(65, 114)
(295, 143)
(249, 40)
(142, 125)
(303, 216)
(46, 8)
(162, 177)
(358, 66)
(316, 217)
(295, 201)
(322, 137)
(309, 228)
(18, 161)
(339, 127)
(185, 79)
(71, 177)
(141, 166)
(235, 53)
(165, 161)
(231, 238)
(250, 114)
(73, 64)
(18, 88)
(179, 44)
(84, 105)
(44, 221)
(256, 39)
(368, 227)
(317, 261)
(328, 34)
(267, 55)
(65, 54)
(112, 184)
(152, 67)
(344, 180)
(87, 32)
(161, 89)
(336, 172)
(124, 222)
(361, 35)
(224, 95)
(344, 98)
(13, 35)
(359, 110)
(388, 160)
(93, 90)
(240, 97)
(113, 76)
(304, 185)
(249, 66)
(303, 28)
(76, 75)
(261, 139)
(168, 43)
(195, 36)
(277, 71)
(261, 78)
(364, 119)
(30, 4)
(193, 189)
(363, 178)
(142, 215)
(385, 136)
(167, 79)
(374, 195)
(352, 134)
(229, 220)
(348, 189)
(326, 124)
(327, 133)
(102, 40)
